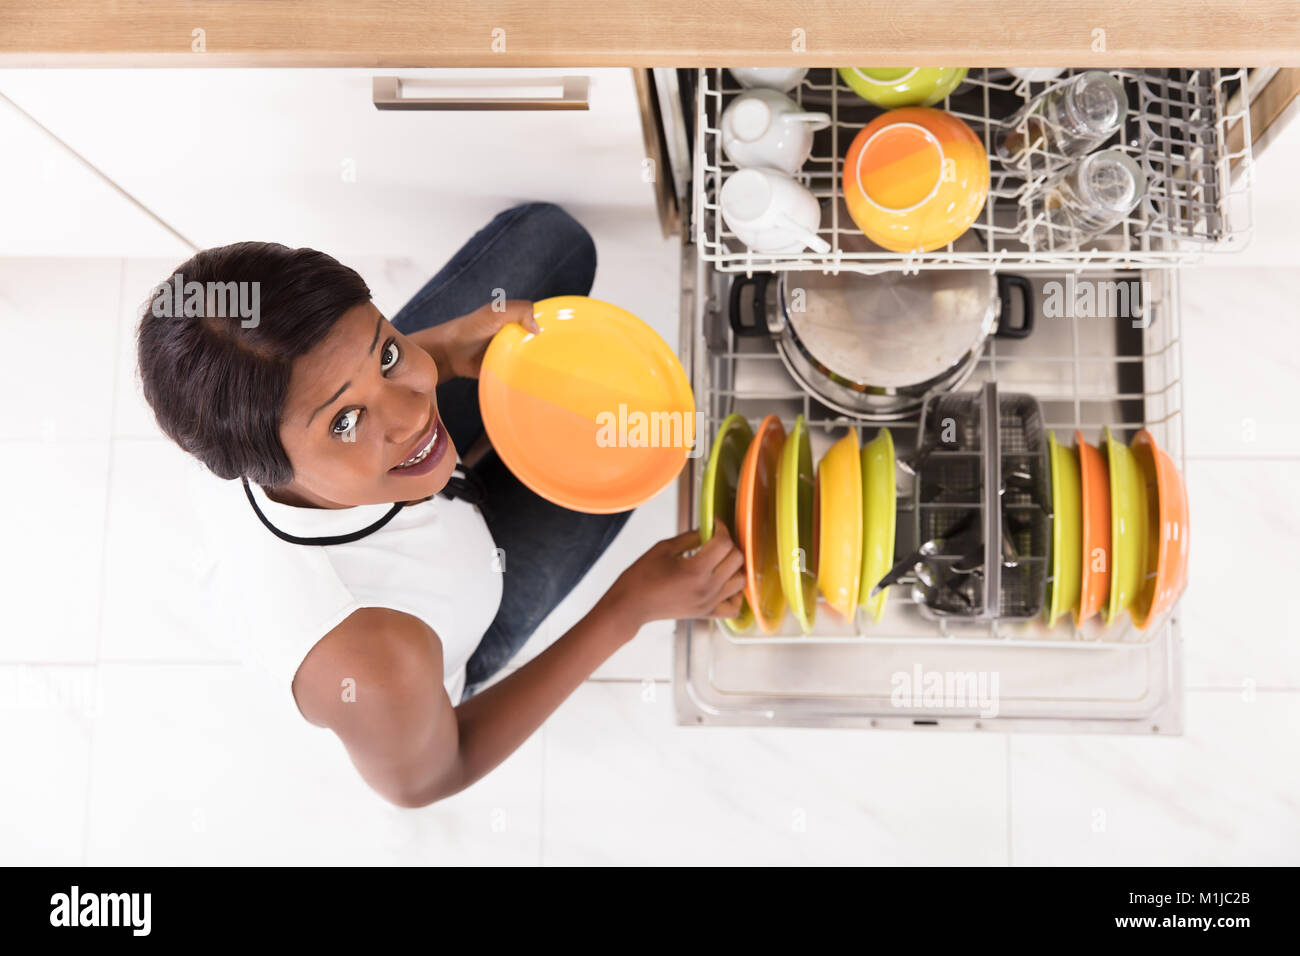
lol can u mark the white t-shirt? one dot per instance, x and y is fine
(435, 560)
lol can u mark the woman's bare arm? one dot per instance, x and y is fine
(376, 680)
(396, 721)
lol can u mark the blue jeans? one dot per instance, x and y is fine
(533, 251)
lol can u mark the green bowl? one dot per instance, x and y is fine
(890, 87)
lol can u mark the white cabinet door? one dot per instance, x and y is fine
(303, 157)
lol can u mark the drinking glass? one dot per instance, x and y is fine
(1087, 198)
(1065, 121)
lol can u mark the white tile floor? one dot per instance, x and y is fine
(129, 736)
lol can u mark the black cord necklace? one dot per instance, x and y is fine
(469, 487)
(324, 539)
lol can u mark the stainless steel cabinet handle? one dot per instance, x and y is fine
(495, 93)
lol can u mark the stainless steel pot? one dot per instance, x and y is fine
(876, 346)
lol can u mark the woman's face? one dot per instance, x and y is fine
(360, 422)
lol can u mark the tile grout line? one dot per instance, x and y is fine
(112, 183)
(1237, 689)
(216, 662)
(1010, 843)
(134, 661)
(541, 801)
(1261, 459)
(103, 558)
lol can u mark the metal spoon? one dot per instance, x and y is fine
(927, 550)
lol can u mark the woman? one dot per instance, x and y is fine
(369, 569)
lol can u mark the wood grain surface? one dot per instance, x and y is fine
(568, 33)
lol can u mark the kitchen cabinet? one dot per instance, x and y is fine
(522, 33)
(305, 157)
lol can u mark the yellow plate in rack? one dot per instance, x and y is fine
(1128, 528)
(839, 560)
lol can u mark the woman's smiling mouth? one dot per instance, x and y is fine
(431, 449)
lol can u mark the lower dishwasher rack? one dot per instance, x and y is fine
(907, 672)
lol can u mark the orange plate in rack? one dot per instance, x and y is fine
(1095, 484)
(595, 413)
(1167, 553)
(756, 524)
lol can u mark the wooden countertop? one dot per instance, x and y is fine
(573, 33)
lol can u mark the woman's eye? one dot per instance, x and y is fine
(390, 349)
(345, 423)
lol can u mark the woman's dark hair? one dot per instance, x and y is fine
(216, 343)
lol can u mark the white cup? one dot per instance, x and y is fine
(766, 128)
(771, 213)
(772, 77)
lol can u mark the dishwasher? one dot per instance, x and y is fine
(1123, 372)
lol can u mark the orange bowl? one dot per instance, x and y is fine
(756, 524)
(915, 179)
(1095, 483)
(1168, 530)
(595, 413)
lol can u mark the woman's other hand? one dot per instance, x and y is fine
(458, 345)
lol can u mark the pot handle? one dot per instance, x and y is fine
(759, 325)
(1005, 284)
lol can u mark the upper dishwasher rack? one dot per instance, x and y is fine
(1198, 189)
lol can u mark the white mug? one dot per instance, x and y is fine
(771, 213)
(766, 128)
(772, 77)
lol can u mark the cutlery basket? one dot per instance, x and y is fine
(982, 495)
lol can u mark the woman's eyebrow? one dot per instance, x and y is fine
(329, 401)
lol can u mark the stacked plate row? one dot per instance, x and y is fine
(1118, 517)
(1120, 530)
(802, 532)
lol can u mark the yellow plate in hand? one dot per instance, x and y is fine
(595, 413)
(796, 526)
(879, 519)
(718, 495)
(839, 559)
